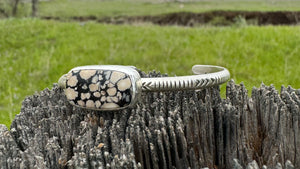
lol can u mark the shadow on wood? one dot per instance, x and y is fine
(182, 129)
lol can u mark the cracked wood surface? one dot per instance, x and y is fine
(182, 129)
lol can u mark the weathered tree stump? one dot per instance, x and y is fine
(184, 129)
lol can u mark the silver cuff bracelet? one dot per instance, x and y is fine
(114, 87)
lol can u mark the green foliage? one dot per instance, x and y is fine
(35, 53)
(240, 21)
(6, 8)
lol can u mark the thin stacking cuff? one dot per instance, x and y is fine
(114, 87)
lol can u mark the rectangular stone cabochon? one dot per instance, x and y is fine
(98, 89)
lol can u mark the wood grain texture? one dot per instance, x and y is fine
(183, 129)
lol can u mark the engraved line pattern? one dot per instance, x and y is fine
(184, 82)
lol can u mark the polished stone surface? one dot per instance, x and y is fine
(98, 89)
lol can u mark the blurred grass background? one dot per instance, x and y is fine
(34, 53)
(104, 8)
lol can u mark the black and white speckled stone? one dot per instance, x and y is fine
(98, 89)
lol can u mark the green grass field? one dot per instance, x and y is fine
(98, 8)
(35, 53)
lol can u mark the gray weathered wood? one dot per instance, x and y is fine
(182, 129)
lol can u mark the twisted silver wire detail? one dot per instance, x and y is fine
(206, 76)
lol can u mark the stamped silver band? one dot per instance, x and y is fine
(114, 87)
(206, 76)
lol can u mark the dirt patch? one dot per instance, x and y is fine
(217, 18)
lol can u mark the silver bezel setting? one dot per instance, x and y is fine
(130, 71)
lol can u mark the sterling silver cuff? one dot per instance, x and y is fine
(114, 87)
